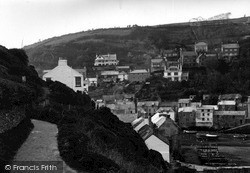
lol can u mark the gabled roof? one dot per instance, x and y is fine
(184, 100)
(156, 60)
(109, 73)
(227, 102)
(231, 45)
(107, 57)
(232, 113)
(139, 71)
(145, 132)
(58, 68)
(230, 96)
(215, 107)
(187, 109)
(201, 43)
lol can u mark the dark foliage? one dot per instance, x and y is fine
(96, 141)
(12, 140)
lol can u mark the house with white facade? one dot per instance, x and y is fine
(67, 75)
(175, 73)
(104, 60)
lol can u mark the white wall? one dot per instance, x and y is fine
(65, 74)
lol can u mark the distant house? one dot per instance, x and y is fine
(200, 47)
(229, 102)
(184, 103)
(157, 64)
(138, 75)
(189, 59)
(106, 60)
(67, 75)
(122, 76)
(229, 51)
(108, 76)
(123, 69)
(150, 107)
(228, 119)
(204, 115)
(168, 111)
(175, 73)
(187, 117)
(92, 81)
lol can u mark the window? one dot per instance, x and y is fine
(203, 119)
(208, 119)
(175, 73)
(78, 81)
(169, 74)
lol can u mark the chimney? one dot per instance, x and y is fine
(62, 62)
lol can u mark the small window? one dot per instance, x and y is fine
(208, 119)
(203, 119)
(78, 81)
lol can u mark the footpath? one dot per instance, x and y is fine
(41, 145)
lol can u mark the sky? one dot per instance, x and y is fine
(24, 22)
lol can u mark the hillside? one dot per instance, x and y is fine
(135, 45)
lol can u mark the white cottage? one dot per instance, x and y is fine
(67, 75)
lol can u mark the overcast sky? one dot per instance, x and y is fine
(29, 21)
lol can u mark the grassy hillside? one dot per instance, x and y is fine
(132, 44)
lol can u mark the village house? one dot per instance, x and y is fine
(157, 64)
(229, 102)
(228, 119)
(169, 104)
(175, 73)
(92, 81)
(138, 75)
(68, 76)
(168, 111)
(122, 76)
(187, 117)
(125, 69)
(230, 51)
(189, 59)
(200, 47)
(109, 76)
(106, 60)
(204, 115)
(184, 103)
(150, 107)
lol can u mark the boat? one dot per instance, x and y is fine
(190, 131)
(212, 136)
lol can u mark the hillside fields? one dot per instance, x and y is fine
(134, 46)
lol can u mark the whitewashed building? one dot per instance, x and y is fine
(103, 60)
(67, 75)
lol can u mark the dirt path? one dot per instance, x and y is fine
(41, 145)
